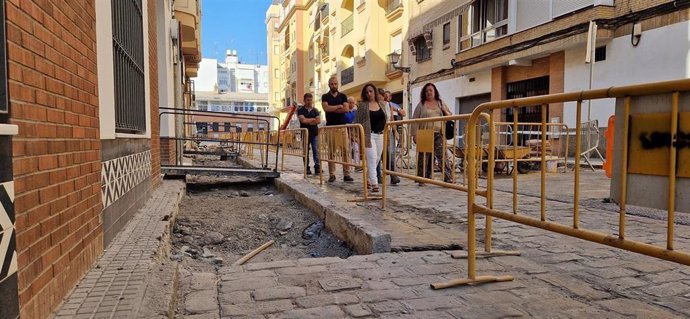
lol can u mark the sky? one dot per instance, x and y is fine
(237, 25)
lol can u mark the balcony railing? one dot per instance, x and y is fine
(392, 5)
(348, 25)
(347, 75)
(324, 11)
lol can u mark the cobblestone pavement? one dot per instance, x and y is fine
(115, 286)
(556, 276)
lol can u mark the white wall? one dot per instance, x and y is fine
(656, 58)
(106, 84)
(454, 88)
(207, 77)
(166, 85)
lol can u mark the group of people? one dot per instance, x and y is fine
(373, 111)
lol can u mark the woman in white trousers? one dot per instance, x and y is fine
(373, 114)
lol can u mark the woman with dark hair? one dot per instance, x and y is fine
(373, 115)
(430, 105)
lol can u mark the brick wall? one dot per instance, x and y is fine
(51, 46)
(153, 92)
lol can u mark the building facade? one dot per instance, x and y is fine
(483, 50)
(352, 40)
(79, 135)
(231, 76)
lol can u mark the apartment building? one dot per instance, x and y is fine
(349, 39)
(79, 133)
(482, 50)
(231, 76)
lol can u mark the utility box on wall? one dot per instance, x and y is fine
(649, 151)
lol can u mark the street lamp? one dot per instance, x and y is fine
(394, 58)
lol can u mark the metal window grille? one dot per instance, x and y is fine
(423, 51)
(128, 62)
(526, 88)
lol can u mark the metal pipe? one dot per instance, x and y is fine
(471, 188)
(624, 168)
(544, 109)
(490, 184)
(578, 145)
(597, 237)
(515, 160)
(672, 172)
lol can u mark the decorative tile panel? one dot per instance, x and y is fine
(122, 174)
(8, 253)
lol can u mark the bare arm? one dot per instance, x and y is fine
(402, 111)
(330, 108)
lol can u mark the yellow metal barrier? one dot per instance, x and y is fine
(295, 142)
(453, 156)
(336, 146)
(614, 240)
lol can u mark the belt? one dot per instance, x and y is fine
(378, 132)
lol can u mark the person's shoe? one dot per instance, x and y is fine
(347, 179)
(395, 180)
(331, 179)
(317, 170)
(308, 171)
(380, 180)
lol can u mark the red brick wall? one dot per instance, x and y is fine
(51, 47)
(153, 92)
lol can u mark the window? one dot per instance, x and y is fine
(214, 127)
(600, 54)
(446, 33)
(227, 126)
(276, 96)
(362, 49)
(276, 73)
(276, 49)
(201, 128)
(128, 62)
(484, 21)
(422, 50)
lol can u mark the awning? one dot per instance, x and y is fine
(436, 16)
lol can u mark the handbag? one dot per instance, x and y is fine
(450, 125)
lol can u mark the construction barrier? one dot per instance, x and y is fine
(529, 148)
(423, 154)
(671, 90)
(590, 141)
(295, 142)
(344, 145)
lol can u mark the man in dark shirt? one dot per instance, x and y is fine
(310, 118)
(335, 105)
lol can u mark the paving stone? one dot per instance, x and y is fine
(418, 280)
(340, 283)
(278, 293)
(650, 267)
(301, 270)
(257, 308)
(379, 284)
(230, 269)
(383, 273)
(389, 307)
(421, 315)
(313, 313)
(358, 311)
(234, 297)
(495, 311)
(314, 301)
(667, 289)
(201, 302)
(635, 308)
(203, 281)
(202, 316)
(612, 272)
(433, 269)
(433, 303)
(319, 261)
(389, 294)
(250, 274)
(248, 284)
(574, 286)
(271, 265)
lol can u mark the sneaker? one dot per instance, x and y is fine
(331, 179)
(346, 178)
(380, 180)
(395, 180)
(308, 171)
(317, 170)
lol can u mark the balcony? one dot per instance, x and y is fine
(347, 25)
(188, 13)
(347, 75)
(324, 13)
(394, 9)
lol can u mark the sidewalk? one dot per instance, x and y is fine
(116, 286)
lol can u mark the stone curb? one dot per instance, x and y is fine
(360, 235)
